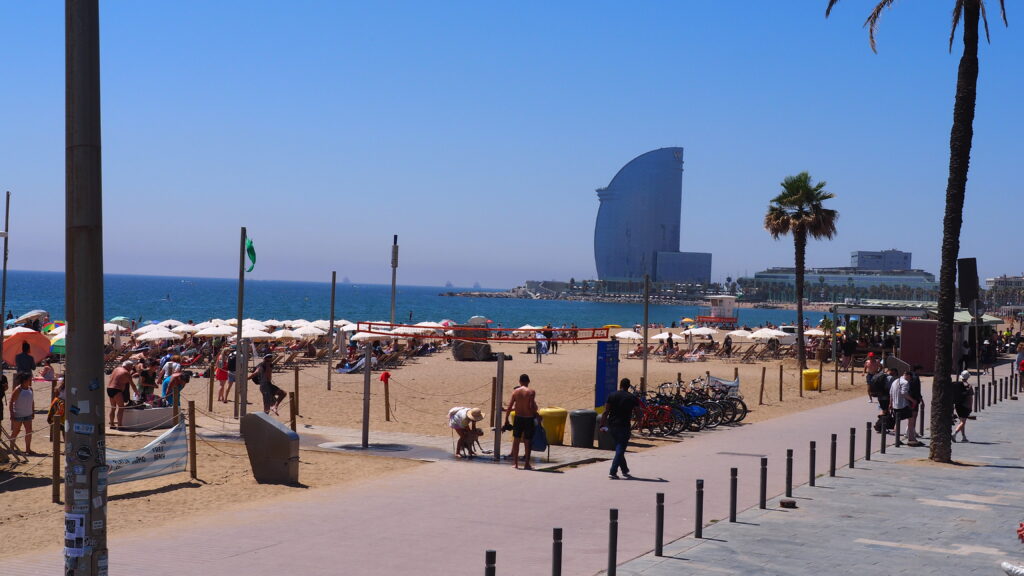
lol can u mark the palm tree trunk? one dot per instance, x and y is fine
(800, 245)
(959, 160)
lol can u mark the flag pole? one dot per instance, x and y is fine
(3, 290)
(242, 353)
(394, 277)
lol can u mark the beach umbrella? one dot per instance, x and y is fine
(767, 334)
(202, 325)
(170, 323)
(39, 346)
(430, 324)
(447, 322)
(58, 346)
(359, 336)
(217, 322)
(59, 331)
(273, 323)
(297, 323)
(349, 328)
(664, 336)
(688, 320)
(629, 335)
(323, 324)
(611, 326)
(411, 330)
(284, 335)
(702, 331)
(51, 326)
(309, 332)
(148, 328)
(17, 330)
(739, 333)
(230, 321)
(185, 329)
(215, 331)
(32, 315)
(112, 327)
(255, 325)
(159, 334)
(528, 327)
(121, 321)
(814, 332)
(253, 334)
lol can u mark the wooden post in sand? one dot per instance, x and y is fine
(679, 378)
(296, 400)
(851, 376)
(387, 399)
(760, 397)
(192, 439)
(837, 379)
(292, 411)
(209, 399)
(780, 382)
(55, 432)
(736, 373)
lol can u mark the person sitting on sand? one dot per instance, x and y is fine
(463, 421)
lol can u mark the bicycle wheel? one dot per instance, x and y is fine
(714, 415)
(741, 408)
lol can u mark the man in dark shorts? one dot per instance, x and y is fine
(117, 392)
(524, 403)
(615, 420)
(272, 395)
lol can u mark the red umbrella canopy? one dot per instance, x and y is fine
(39, 346)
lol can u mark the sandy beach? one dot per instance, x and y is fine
(421, 392)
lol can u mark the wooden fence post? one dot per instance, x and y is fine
(209, 399)
(192, 439)
(291, 409)
(296, 400)
(780, 382)
(760, 396)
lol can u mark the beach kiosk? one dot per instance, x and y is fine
(722, 313)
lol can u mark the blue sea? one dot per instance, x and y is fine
(162, 297)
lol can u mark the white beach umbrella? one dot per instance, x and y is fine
(739, 333)
(309, 332)
(702, 331)
(814, 332)
(349, 328)
(148, 328)
(17, 330)
(411, 330)
(202, 325)
(664, 336)
(767, 334)
(272, 323)
(185, 329)
(527, 327)
(159, 334)
(359, 336)
(284, 334)
(231, 321)
(430, 324)
(170, 323)
(297, 323)
(32, 315)
(340, 321)
(324, 325)
(255, 325)
(629, 335)
(111, 328)
(215, 331)
(217, 321)
(252, 334)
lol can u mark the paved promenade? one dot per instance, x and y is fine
(440, 518)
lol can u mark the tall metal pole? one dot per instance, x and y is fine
(330, 332)
(85, 486)
(647, 303)
(3, 290)
(394, 277)
(367, 357)
(499, 394)
(242, 352)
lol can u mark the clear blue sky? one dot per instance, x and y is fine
(478, 131)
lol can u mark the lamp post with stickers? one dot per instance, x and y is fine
(85, 474)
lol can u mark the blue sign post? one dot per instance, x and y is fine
(607, 371)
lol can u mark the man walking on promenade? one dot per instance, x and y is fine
(871, 367)
(615, 420)
(524, 402)
(903, 406)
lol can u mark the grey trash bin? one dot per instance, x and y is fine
(583, 423)
(273, 449)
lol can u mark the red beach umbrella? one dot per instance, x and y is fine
(39, 346)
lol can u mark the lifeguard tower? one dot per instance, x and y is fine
(722, 313)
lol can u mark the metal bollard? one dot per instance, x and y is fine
(978, 398)
(853, 446)
(789, 473)
(832, 458)
(490, 562)
(920, 418)
(556, 552)
(613, 539)
(884, 441)
(763, 502)
(990, 394)
(698, 520)
(899, 424)
(733, 486)
(810, 464)
(659, 523)
(867, 441)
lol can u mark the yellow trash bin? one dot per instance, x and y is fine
(812, 379)
(554, 424)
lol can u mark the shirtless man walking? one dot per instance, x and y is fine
(524, 402)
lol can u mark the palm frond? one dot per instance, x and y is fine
(872, 21)
(984, 20)
(828, 10)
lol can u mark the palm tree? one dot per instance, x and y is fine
(961, 135)
(798, 210)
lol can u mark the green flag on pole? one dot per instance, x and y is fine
(251, 251)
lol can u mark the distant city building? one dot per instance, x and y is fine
(881, 260)
(838, 284)
(637, 228)
(1005, 282)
